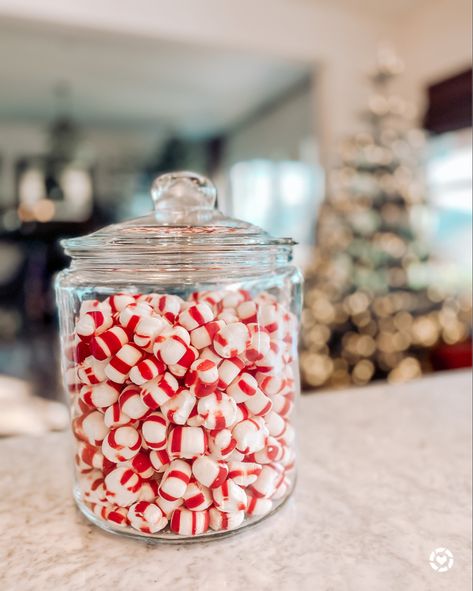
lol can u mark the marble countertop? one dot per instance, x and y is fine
(384, 479)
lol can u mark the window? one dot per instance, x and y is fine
(449, 180)
(281, 197)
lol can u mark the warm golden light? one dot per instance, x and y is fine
(43, 210)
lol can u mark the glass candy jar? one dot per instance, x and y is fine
(179, 356)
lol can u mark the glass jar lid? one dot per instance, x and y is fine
(184, 220)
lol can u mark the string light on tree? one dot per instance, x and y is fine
(372, 309)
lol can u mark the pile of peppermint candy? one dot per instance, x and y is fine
(181, 409)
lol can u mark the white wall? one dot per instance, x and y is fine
(277, 133)
(434, 40)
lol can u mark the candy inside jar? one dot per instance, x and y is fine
(180, 363)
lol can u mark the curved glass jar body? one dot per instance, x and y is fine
(181, 370)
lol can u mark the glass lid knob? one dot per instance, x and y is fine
(181, 191)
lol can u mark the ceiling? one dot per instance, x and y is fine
(382, 9)
(126, 81)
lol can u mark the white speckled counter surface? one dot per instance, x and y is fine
(384, 478)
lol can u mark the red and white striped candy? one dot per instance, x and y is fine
(99, 395)
(160, 459)
(159, 390)
(148, 490)
(231, 340)
(247, 311)
(203, 336)
(79, 407)
(115, 417)
(178, 409)
(270, 384)
(259, 343)
(271, 363)
(209, 297)
(108, 343)
(189, 523)
(265, 298)
(168, 507)
(259, 404)
(288, 457)
(209, 471)
(174, 350)
(88, 456)
(208, 404)
(209, 353)
(113, 513)
(244, 473)
(237, 456)
(288, 389)
(77, 429)
(141, 464)
(272, 452)
(202, 377)
(243, 387)
(93, 322)
(288, 373)
(121, 444)
(131, 403)
(269, 317)
(195, 315)
(89, 306)
(92, 487)
(221, 444)
(276, 424)
(233, 299)
(131, 315)
(195, 420)
(229, 497)
(147, 517)
(250, 435)
(120, 365)
(197, 497)
(228, 371)
(80, 351)
(119, 301)
(169, 306)
(282, 488)
(149, 298)
(92, 371)
(257, 506)
(287, 438)
(187, 442)
(146, 331)
(110, 512)
(175, 480)
(122, 486)
(228, 315)
(167, 333)
(94, 427)
(268, 480)
(146, 370)
(180, 368)
(218, 410)
(72, 380)
(242, 413)
(154, 430)
(220, 521)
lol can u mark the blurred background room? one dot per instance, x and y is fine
(345, 124)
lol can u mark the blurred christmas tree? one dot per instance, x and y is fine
(372, 307)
